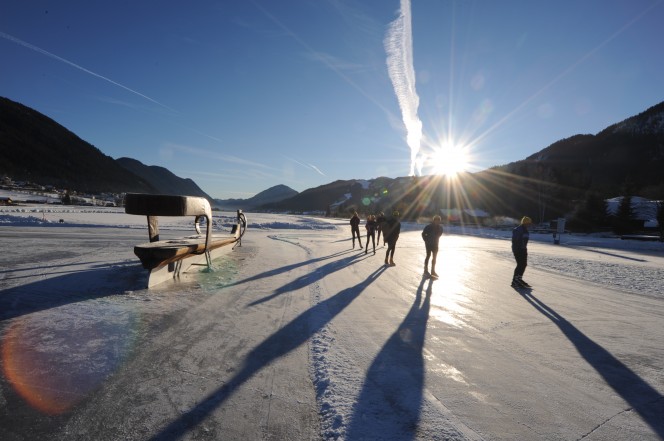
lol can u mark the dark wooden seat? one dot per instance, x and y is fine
(164, 258)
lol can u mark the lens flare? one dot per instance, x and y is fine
(54, 368)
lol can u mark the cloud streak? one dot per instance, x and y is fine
(81, 68)
(311, 166)
(208, 154)
(316, 169)
(399, 47)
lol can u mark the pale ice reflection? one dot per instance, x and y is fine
(445, 369)
(449, 294)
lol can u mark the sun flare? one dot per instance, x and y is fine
(449, 160)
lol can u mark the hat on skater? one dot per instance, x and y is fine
(526, 220)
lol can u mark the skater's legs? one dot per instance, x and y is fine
(389, 255)
(371, 236)
(356, 231)
(434, 254)
(521, 263)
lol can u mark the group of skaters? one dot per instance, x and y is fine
(391, 228)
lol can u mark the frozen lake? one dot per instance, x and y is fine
(295, 335)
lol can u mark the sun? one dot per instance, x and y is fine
(449, 159)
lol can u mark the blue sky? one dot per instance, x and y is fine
(241, 95)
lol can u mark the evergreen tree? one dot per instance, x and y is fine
(660, 220)
(592, 215)
(623, 222)
(66, 199)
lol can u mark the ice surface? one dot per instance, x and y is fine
(295, 335)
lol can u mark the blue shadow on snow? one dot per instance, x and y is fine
(643, 399)
(283, 341)
(390, 402)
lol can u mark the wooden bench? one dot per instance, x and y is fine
(168, 259)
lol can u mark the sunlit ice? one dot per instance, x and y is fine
(450, 296)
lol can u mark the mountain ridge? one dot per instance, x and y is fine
(162, 178)
(273, 194)
(626, 157)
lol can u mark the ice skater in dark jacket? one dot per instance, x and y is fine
(391, 231)
(520, 236)
(380, 221)
(431, 235)
(355, 228)
(371, 232)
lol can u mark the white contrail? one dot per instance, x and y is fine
(316, 169)
(47, 53)
(311, 166)
(399, 47)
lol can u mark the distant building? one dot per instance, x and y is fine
(465, 216)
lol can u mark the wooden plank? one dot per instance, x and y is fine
(153, 228)
(153, 254)
(166, 205)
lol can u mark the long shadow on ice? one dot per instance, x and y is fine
(595, 250)
(389, 404)
(286, 339)
(75, 286)
(641, 397)
(50, 269)
(309, 278)
(287, 268)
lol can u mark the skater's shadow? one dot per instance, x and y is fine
(286, 268)
(309, 278)
(76, 285)
(283, 341)
(390, 401)
(593, 250)
(522, 290)
(641, 397)
(51, 269)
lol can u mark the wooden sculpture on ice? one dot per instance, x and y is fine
(169, 259)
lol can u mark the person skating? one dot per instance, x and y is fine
(371, 232)
(520, 236)
(355, 228)
(380, 221)
(431, 235)
(391, 230)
